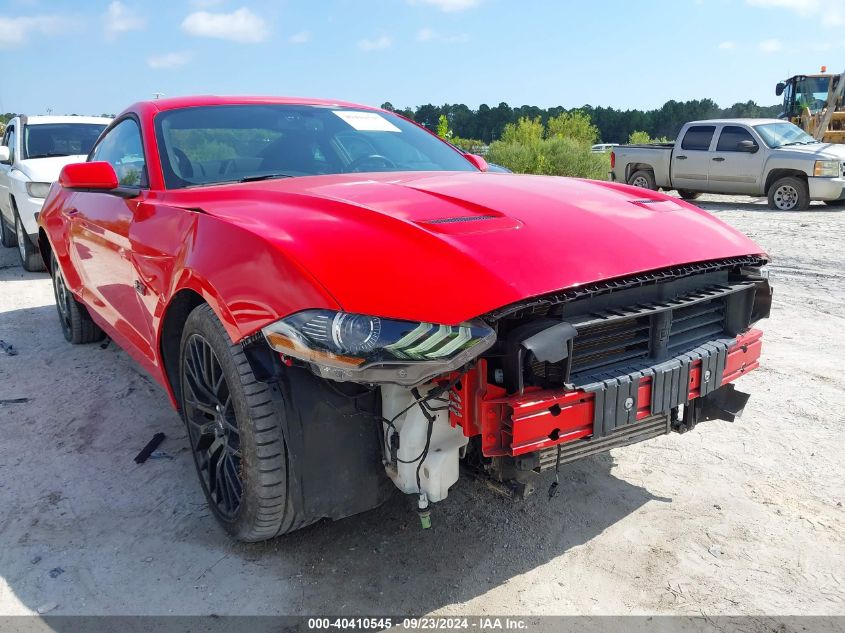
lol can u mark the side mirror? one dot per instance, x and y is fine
(5, 154)
(477, 161)
(96, 176)
(779, 89)
(748, 146)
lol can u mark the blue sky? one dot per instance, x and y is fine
(93, 56)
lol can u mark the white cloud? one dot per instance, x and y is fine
(727, 46)
(377, 44)
(770, 46)
(241, 25)
(15, 31)
(169, 60)
(300, 38)
(119, 18)
(450, 5)
(831, 13)
(425, 35)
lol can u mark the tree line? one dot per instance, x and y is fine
(487, 124)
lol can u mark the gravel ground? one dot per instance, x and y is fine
(742, 518)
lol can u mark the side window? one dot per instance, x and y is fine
(9, 141)
(122, 148)
(730, 138)
(698, 137)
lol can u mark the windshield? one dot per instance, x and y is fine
(43, 140)
(811, 93)
(239, 143)
(780, 134)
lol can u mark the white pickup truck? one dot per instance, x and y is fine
(756, 157)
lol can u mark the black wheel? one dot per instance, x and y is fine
(235, 433)
(789, 194)
(686, 194)
(644, 179)
(7, 234)
(27, 252)
(76, 323)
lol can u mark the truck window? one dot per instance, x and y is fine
(731, 136)
(698, 137)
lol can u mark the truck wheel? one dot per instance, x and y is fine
(77, 325)
(28, 254)
(686, 194)
(7, 234)
(235, 434)
(643, 179)
(789, 194)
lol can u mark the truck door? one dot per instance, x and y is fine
(691, 161)
(736, 166)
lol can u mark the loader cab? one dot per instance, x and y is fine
(803, 93)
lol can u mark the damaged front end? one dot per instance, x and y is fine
(546, 381)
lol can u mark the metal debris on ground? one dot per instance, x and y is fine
(14, 400)
(8, 348)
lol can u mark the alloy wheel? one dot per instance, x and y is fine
(212, 426)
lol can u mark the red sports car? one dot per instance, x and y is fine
(334, 298)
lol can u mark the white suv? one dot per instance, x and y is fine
(32, 153)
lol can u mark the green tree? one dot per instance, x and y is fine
(575, 125)
(525, 131)
(443, 130)
(639, 138)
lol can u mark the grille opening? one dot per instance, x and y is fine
(603, 344)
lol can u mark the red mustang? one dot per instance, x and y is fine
(329, 293)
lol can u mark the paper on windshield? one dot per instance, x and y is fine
(366, 121)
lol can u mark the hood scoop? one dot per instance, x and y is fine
(464, 224)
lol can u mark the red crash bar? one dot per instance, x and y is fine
(519, 424)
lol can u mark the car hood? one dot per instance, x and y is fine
(46, 169)
(447, 247)
(822, 151)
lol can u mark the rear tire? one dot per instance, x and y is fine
(235, 434)
(77, 325)
(643, 179)
(7, 233)
(27, 253)
(686, 194)
(789, 194)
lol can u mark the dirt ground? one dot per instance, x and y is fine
(743, 518)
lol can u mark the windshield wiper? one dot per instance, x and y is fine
(48, 155)
(264, 177)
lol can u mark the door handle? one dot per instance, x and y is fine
(681, 157)
(719, 159)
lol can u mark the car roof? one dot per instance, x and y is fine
(45, 119)
(744, 121)
(176, 103)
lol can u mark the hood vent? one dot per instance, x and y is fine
(464, 218)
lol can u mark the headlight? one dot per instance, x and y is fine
(38, 189)
(360, 348)
(827, 168)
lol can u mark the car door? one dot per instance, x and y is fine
(9, 140)
(691, 161)
(732, 168)
(100, 247)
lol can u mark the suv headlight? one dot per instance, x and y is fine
(827, 168)
(360, 348)
(38, 189)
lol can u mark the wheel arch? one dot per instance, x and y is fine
(630, 168)
(46, 249)
(782, 172)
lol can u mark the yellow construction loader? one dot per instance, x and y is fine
(814, 103)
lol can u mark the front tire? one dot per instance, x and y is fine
(30, 257)
(235, 434)
(686, 194)
(789, 194)
(77, 325)
(643, 179)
